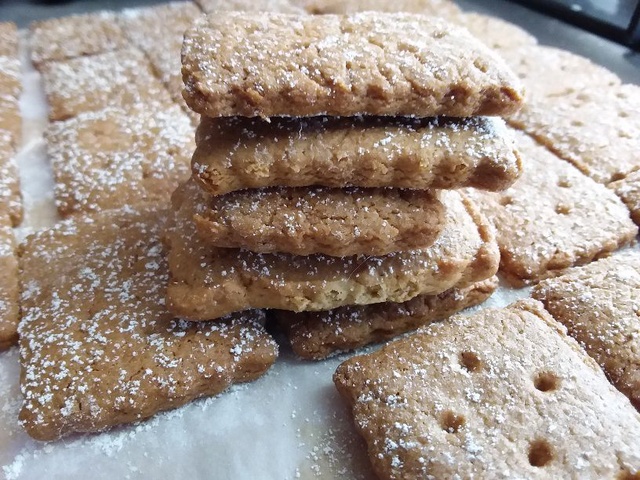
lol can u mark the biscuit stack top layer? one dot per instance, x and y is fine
(322, 144)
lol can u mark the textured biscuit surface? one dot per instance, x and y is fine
(10, 197)
(8, 39)
(121, 78)
(496, 33)
(520, 400)
(367, 63)
(628, 189)
(10, 89)
(596, 129)
(9, 294)
(317, 335)
(208, 282)
(553, 217)
(599, 304)
(114, 158)
(440, 8)
(98, 347)
(336, 222)
(75, 36)
(235, 153)
(281, 6)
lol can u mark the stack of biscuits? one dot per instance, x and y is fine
(323, 181)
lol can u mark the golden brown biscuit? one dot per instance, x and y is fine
(10, 119)
(270, 64)
(75, 36)
(10, 196)
(599, 304)
(281, 6)
(553, 217)
(208, 282)
(9, 294)
(628, 189)
(597, 129)
(236, 153)
(318, 335)
(115, 158)
(8, 39)
(122, 78)
(335, 222)
(97, 345)
(439, 8)
(503, 393)
(10, 83)
(496, 33)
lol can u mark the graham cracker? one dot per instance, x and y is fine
(209, 282)
(503, 393)
(628, 189)
(599, 304)
(440, 8)
(115, 158)
(237, 153)
(335, 222)
(75, 36)
(376, 63)
(8, 39)
(122, 78)
(282, 6)
(318, 335)
(596, 129)
(10, 196)
(9, 294)
(497, 33)
(97, 345)
(553, 217)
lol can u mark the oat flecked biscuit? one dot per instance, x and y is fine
(236, 153)
(122, 78)
(503, 393)
(10, 196)
(9, 295)
(495, 32)
(600, 306)
(597, 129)
(281, 6)
(318, 335)
(97, 345)
(553, 217)
(628, 189)
(114, 158)
(75, 36)
(208, 282)
(336, 222)
(270, 64)
(439, 8)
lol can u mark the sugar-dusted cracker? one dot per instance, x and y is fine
(236, 153)
(209, 282)
(97, 345)
(10, 196)
(600, 306)
(75, 36)
(10, 83)
(8, 39)
(10, 119)
(440, 8)
(597, 129)
(552, 72)
(628, 189)
(496, 32)
(332, 221)
(268, 64)
(553, 217)
(114, 158)
(9, 294)
(503, 393)
(121, 78)
(281, 6)
(318, 335)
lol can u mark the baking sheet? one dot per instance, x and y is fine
(289, 424)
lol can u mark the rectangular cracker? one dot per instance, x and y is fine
(553, 217)
(375, 63)
(440, 8)
(330, 221)
(237, 153)
(10, 119)
(503, 393)
(597, 129)
(600, 306)
(10, 196)
(9, 294)
(281, 6)
(318, 335)
(8, 39)
(122, 78)
(98, 347)
(114, 158)
(496, 33)
(628, 189)
(75, 36)
(208, 282)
